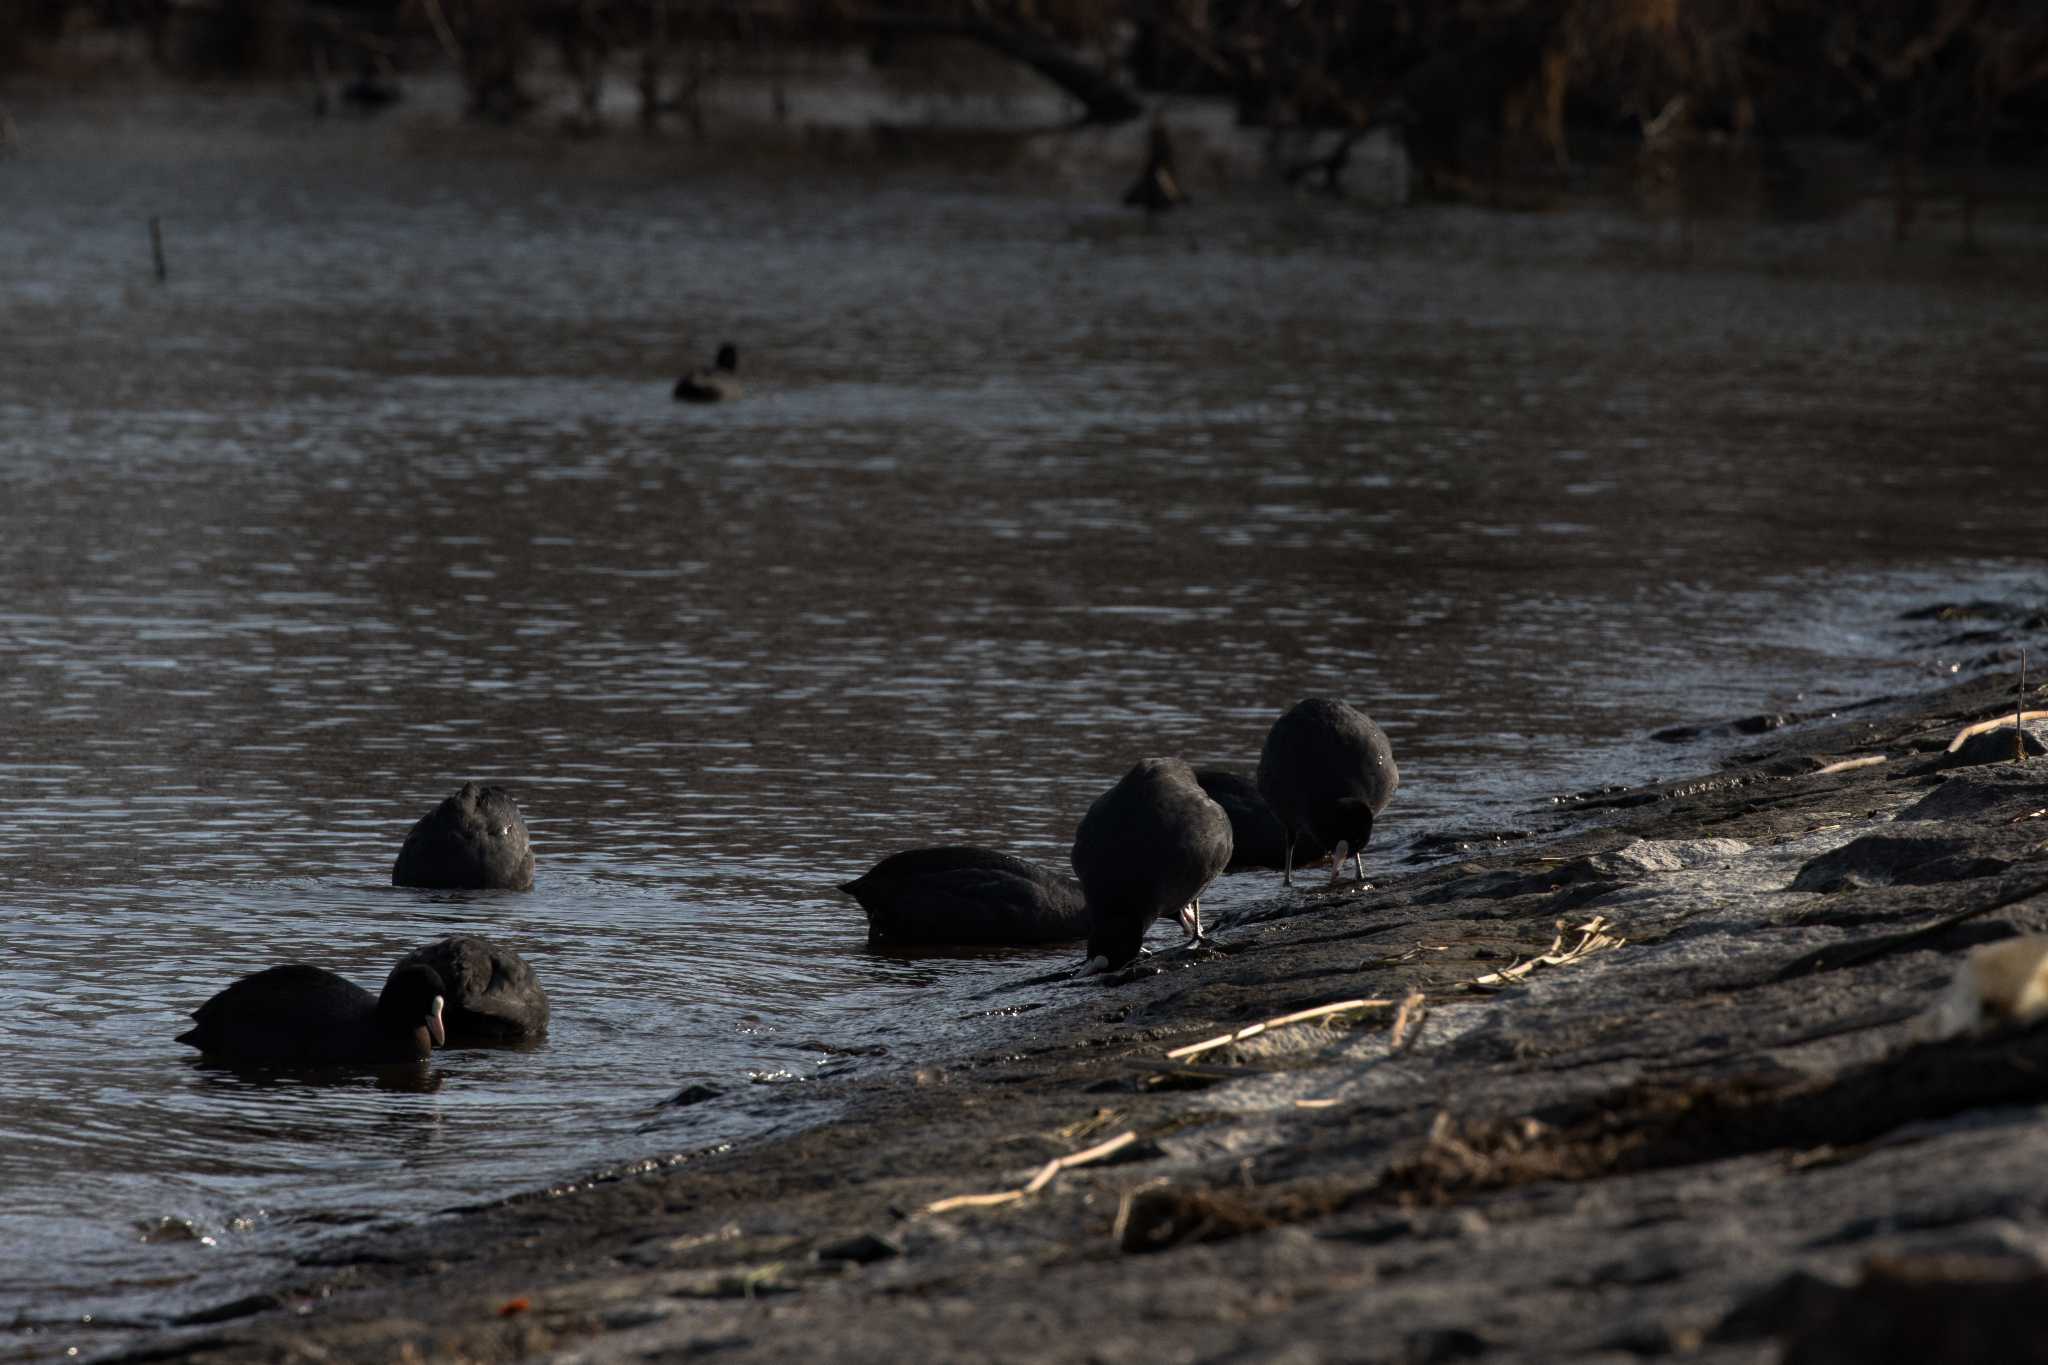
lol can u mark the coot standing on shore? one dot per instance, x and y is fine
(1146, 848)
(1327, 772)
(1257, 838)
(307, 1016)
(960, 894)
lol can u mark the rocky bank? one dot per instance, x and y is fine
(1656, 1081)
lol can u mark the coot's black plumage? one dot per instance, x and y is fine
(308, 1016)
(492, 995)
(1257, 838)
(475, 840)
(1327, 772)
(959, 894)
(1146, 848)
(714, 385)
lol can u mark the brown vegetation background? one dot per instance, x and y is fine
(1474, 84)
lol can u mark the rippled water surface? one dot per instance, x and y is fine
(384, 490)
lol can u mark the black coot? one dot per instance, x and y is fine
(714, 385)
(308, 1016)
(958, 894)
(1257, 838)
(1146, 848)
(1327, 772)
(475, 840)
(492, 997)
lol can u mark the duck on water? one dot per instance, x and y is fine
(958, 894)
(298, 1015)
(715, 385)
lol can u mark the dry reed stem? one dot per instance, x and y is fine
(2017, 718)
(1408, 1022)
(1849, 764)
(1046, 1174)
(1254, 1030)
(1593, 937)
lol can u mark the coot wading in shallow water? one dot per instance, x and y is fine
(1327, 772)
(1257, 838)
(307, 1016)
(492, 997)
(961, 895)
(474, 841)
(714, 385)
(1146, 848)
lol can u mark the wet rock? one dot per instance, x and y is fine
(842, 1049)
(693, 1094)
(475, 840)
(1446, 844)
(1760, 724)
(247, 1306)
(1440, 1345)
(1599, 872)
(863, 1249)
(1989, 794)
(1926, 852)
(1997, 746)
(1959, 1309)
(170, 1228)
(1160, 1217)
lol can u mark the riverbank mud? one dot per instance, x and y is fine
(1615, 1091)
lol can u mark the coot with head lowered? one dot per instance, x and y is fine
(307, 1016)
(1327, 772)
(475, 840)
(493, 997)
(1146, 848)
(1257, 838)
(958, 894)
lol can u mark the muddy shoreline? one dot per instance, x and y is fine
(1696, 1134)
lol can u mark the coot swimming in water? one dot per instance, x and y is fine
(308, 1016)
(492, 995)
(1327, 772)
(1146, 848)
(959, 894)
(475, 840)
(714, 385)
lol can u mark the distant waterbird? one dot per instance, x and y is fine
(1327, 772)
(958, 894)
(1157, 188)
(297, 1015)
(1147, 847)
(717, 384)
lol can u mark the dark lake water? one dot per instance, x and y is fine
(384, 490)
